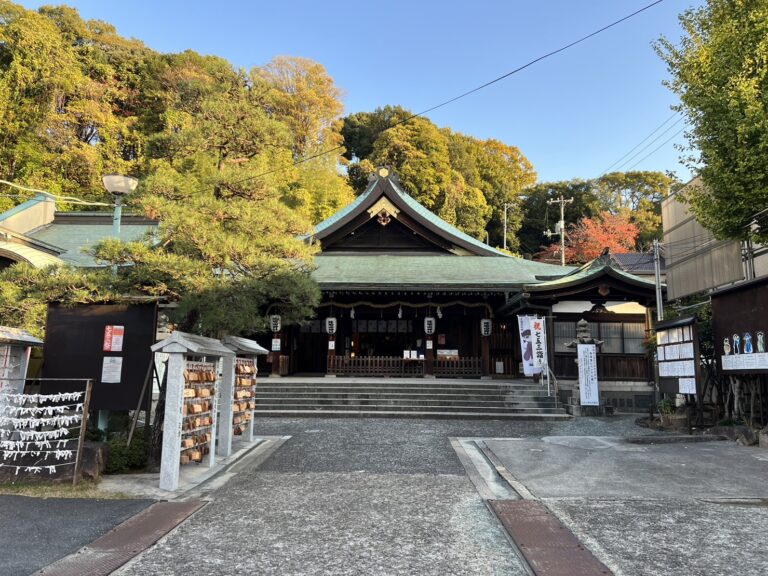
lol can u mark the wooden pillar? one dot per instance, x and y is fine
(485, 348)
(331, 345)
(429, 357)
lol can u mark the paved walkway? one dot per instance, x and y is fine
(354, 496)
(384, 496)
(652, 509)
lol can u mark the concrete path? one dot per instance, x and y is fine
(651, 509)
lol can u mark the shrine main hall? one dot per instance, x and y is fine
(405, 293)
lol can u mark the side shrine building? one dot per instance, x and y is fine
(387, 264)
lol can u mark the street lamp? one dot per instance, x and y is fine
(118, 186)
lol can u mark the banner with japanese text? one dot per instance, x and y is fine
(589, 391)
(526, 325)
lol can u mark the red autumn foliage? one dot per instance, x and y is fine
(587, 239)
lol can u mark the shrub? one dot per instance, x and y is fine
(123, 458)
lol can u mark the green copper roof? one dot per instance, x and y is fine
(435, 219)
(383, 186)
(83, 231)
(22, 253)
(592, 269)
(348, 209)
(427, 272)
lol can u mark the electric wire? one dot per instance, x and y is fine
(67, 199)
(659, 147)
(618, 164)
(468, 92)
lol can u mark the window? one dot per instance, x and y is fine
(565, 332)
(617, 337)
(611, 335)
(634, 337)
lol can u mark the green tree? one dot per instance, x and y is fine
(720, 72)
(361, 130)
(69, 99)
(500, 173)
(300, 93)
(638, 195)
(539, 216)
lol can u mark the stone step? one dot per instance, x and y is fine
(470, 415)
(384, 395)
(405, 408)
(309, 389)
(405, 401)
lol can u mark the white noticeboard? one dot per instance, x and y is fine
(275, 344)
(331, 344)
(687, 385)
(590, 393)
(111, 369)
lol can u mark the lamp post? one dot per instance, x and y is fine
(118, 186)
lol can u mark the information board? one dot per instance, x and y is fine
(740, 319)
(677, 346)
(589, 389)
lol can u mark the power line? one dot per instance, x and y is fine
(651, 143)
(659, 147)
(472, 91)
(67, 199)
(659, 127)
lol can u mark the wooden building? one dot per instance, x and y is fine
(387, 263)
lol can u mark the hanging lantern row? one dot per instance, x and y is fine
(331, 325)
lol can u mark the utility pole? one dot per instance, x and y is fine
(657, 270)
(560, 226)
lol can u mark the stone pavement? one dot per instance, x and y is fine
(354, 496)
(390, 496)
(651, 509)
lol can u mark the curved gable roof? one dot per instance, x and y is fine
(386, 187)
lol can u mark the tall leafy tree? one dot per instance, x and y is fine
(589, 237)
(720, 72)
(638, 195)
(70, 90)
(500, 172)
(539, 216)
(464, 180)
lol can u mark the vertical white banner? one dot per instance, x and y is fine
(539, 341)
(590, 393)
(526, 344)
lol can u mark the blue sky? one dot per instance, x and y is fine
(572, 115)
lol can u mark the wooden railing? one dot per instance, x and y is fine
(609, 367)
(464, 366)
(374, 366)
(457, 367)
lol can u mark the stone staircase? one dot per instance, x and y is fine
(405, 397)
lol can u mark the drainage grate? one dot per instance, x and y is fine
(547, 545)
